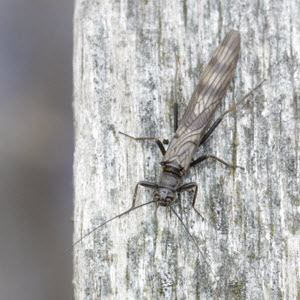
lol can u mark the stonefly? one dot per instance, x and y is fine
(193, 131)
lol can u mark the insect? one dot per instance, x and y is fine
(193, 130)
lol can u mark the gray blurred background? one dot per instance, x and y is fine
(36, 149)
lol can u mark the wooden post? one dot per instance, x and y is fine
(125, 56)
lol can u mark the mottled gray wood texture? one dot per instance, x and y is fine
(124, 71)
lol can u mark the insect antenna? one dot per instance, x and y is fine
(118, 216)
(67, 251)
(194, 241)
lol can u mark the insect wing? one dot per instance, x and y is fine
(209, 91)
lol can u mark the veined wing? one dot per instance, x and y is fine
(209, 91)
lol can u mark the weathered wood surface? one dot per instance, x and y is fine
(124, 71)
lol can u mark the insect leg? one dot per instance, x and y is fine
(204, 157)
(218, 121)
(157, 141)
(188, 186)
(145, 184)
(175, 109)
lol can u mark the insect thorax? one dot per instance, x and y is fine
(168, 183)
